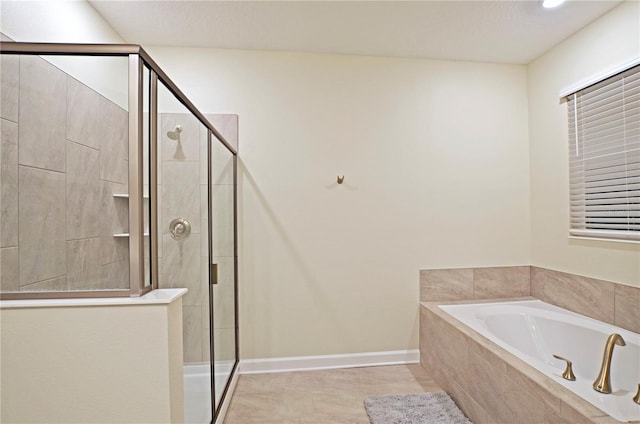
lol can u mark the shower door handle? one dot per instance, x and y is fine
(213, 276)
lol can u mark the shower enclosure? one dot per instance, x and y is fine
(112, 183)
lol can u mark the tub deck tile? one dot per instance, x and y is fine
(496, 378)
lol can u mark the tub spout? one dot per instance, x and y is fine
(603, 382)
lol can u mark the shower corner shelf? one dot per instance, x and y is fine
(126, 196)
(125, 235)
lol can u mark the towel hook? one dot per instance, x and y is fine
(340, 179)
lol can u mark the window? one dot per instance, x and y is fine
(604, 158)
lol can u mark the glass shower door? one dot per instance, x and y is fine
(183, 251)
(223, 266)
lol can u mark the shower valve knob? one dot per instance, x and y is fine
(179, 228)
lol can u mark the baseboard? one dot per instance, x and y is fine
(320, 362)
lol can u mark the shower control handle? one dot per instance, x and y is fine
(179, 229)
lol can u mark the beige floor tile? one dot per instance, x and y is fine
(262, 383)
(340, 380)
(263, 408)
(321, 397)
(338, 406)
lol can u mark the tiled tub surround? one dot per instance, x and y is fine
(488, 383)
(63, 155)
(534, 331)
(605, 301)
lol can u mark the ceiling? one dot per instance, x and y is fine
(486, 31)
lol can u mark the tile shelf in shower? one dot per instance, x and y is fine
(124, 235)
(126, 196)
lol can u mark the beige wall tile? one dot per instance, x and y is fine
(204, 164)
(114, 219)
(224, 294)
(573, 415)
(9, 86)
(195, 296)
(187, 148)
(9, 269)
(42, 114)
(8, 183)
(224, 344)
(206, 335)
(588, 296)
(83, 264)
(627, 307)
(469, 407)
(204, 289)
(227, 126)
(452, 350)
(553, 417)
(500, 282)
(180, 194)
(223, 230)
(82, 114)
(523, 399)
(83, 191)
(42, 225)
(115, 275)
(486, 380)
(114, 138)
(181, 260)
(221, 164)
(53, 284)
(204, 220)
(446, 284)
(192, 330)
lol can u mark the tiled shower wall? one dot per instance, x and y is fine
(63, 155)
(183, 263)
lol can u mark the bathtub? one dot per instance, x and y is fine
(534, 330)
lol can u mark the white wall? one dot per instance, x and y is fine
(88, 363)
(435, 159)
(607, 42)
(68, 21)
(59, 21)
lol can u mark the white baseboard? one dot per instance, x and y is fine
(321, 362)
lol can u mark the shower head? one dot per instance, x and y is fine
(175, 134)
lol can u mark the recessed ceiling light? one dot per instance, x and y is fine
(548, 4)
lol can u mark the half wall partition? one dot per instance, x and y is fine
(114, 184)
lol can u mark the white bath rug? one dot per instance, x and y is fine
(420, 408)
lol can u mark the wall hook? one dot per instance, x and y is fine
(340, 179)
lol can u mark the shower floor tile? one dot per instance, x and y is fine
(321, 397)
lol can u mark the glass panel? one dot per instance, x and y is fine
(223, 254)
(146, 176)
(66, 168)
(183, 251)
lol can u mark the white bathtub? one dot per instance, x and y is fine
(534, 330)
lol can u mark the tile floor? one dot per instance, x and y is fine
(321, 397)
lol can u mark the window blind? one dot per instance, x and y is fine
(604, 158)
